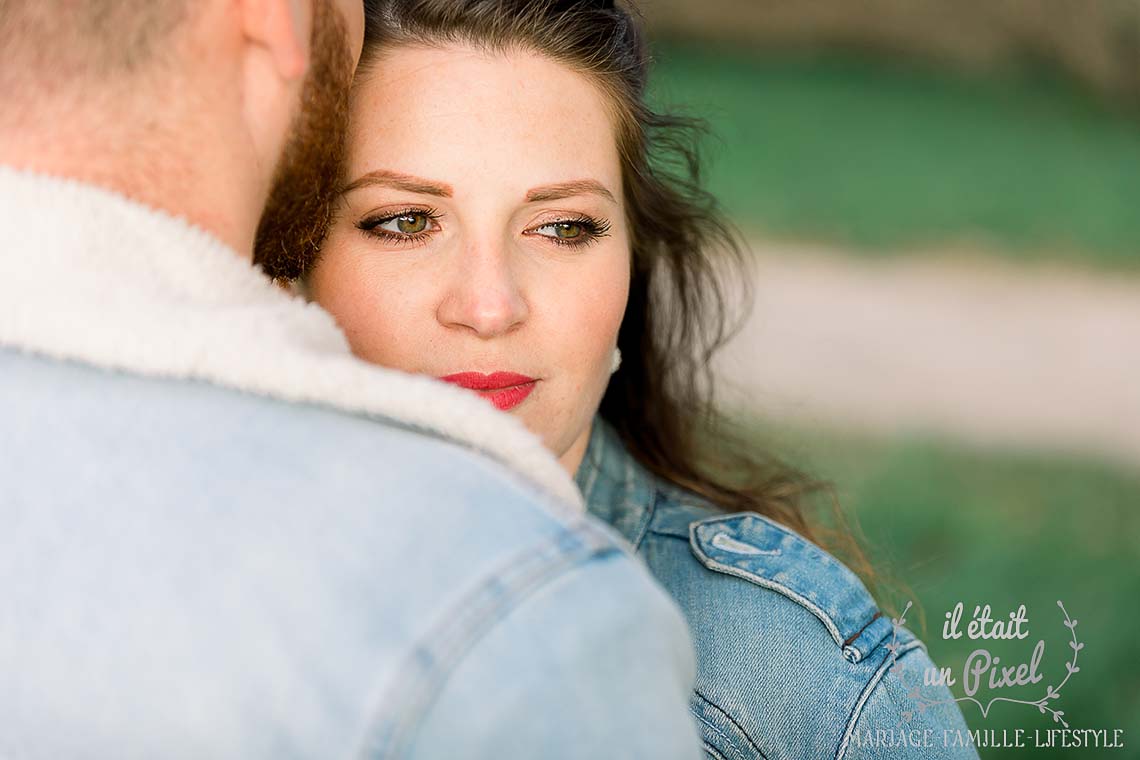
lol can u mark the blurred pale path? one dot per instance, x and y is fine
(1036, 358)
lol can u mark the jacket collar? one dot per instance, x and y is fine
(616, 487)
(93, 277)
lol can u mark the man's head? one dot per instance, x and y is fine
(52, 42)
(204, 108)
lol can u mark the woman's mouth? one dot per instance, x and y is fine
(505, 390)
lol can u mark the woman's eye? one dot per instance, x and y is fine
(563, 230)
(406, 227)
(573, 231)
(406, 224)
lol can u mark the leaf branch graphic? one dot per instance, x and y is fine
(1070, 667)
(1042, 704)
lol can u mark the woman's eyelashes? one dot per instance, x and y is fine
(409, 225)
(415, 225)
(575, 231)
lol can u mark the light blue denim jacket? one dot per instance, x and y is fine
(794, 659)
(222, 536)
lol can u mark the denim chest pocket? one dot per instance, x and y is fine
(758, 549)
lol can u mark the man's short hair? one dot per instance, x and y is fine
(56, 42)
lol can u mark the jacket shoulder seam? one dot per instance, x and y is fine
(868, 690)
(712, 751)
(758, 549)
(779, 588)
(644, 528)
(713, 706)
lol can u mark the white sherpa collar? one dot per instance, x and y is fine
(91, 276)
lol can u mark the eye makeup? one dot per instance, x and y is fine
(375, 225)
(589, 230)
(415, 224)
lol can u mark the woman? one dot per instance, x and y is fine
(508, 224)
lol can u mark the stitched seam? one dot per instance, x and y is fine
(646, 521)
(730, 719)
(762, 518)
(779, 588)
(595, 462)
(665, 534)
(727, 739)
(630, 486)
(816, 553)
(857, 711)
(730, 544)
(712, 751)
(859, 633)
(456, 632)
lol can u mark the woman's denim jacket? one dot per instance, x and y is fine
(794, 659)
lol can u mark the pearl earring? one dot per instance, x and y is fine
(616, 361)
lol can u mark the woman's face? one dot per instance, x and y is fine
(482, 231)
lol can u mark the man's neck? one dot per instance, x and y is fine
(187, 174)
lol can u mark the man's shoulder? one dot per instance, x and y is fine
(188, 439)
(408, 503)
(256, 558)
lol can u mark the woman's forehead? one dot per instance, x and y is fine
(457, 110)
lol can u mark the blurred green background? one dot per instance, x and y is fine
(1022, 152)
(884, 156)
(1003, 528)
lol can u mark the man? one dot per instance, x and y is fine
(221, 535)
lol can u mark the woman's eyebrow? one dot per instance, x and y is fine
(567, 190)
(400, 181)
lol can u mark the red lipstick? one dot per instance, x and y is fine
(505, 390)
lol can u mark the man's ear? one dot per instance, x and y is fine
(283, 29)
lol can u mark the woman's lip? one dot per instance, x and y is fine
(477, 381)
(505, 390)
(506, 399)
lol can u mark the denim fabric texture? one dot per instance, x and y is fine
(191, 572)
(794, 659)
(223, 536)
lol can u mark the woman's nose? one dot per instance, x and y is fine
(483, 295)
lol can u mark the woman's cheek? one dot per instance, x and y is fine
(593, 321)
(612, 300)
(342, 287)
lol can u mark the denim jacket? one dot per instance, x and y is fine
(222, 536)
(794, 659)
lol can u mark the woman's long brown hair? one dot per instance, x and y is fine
(690, 273)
